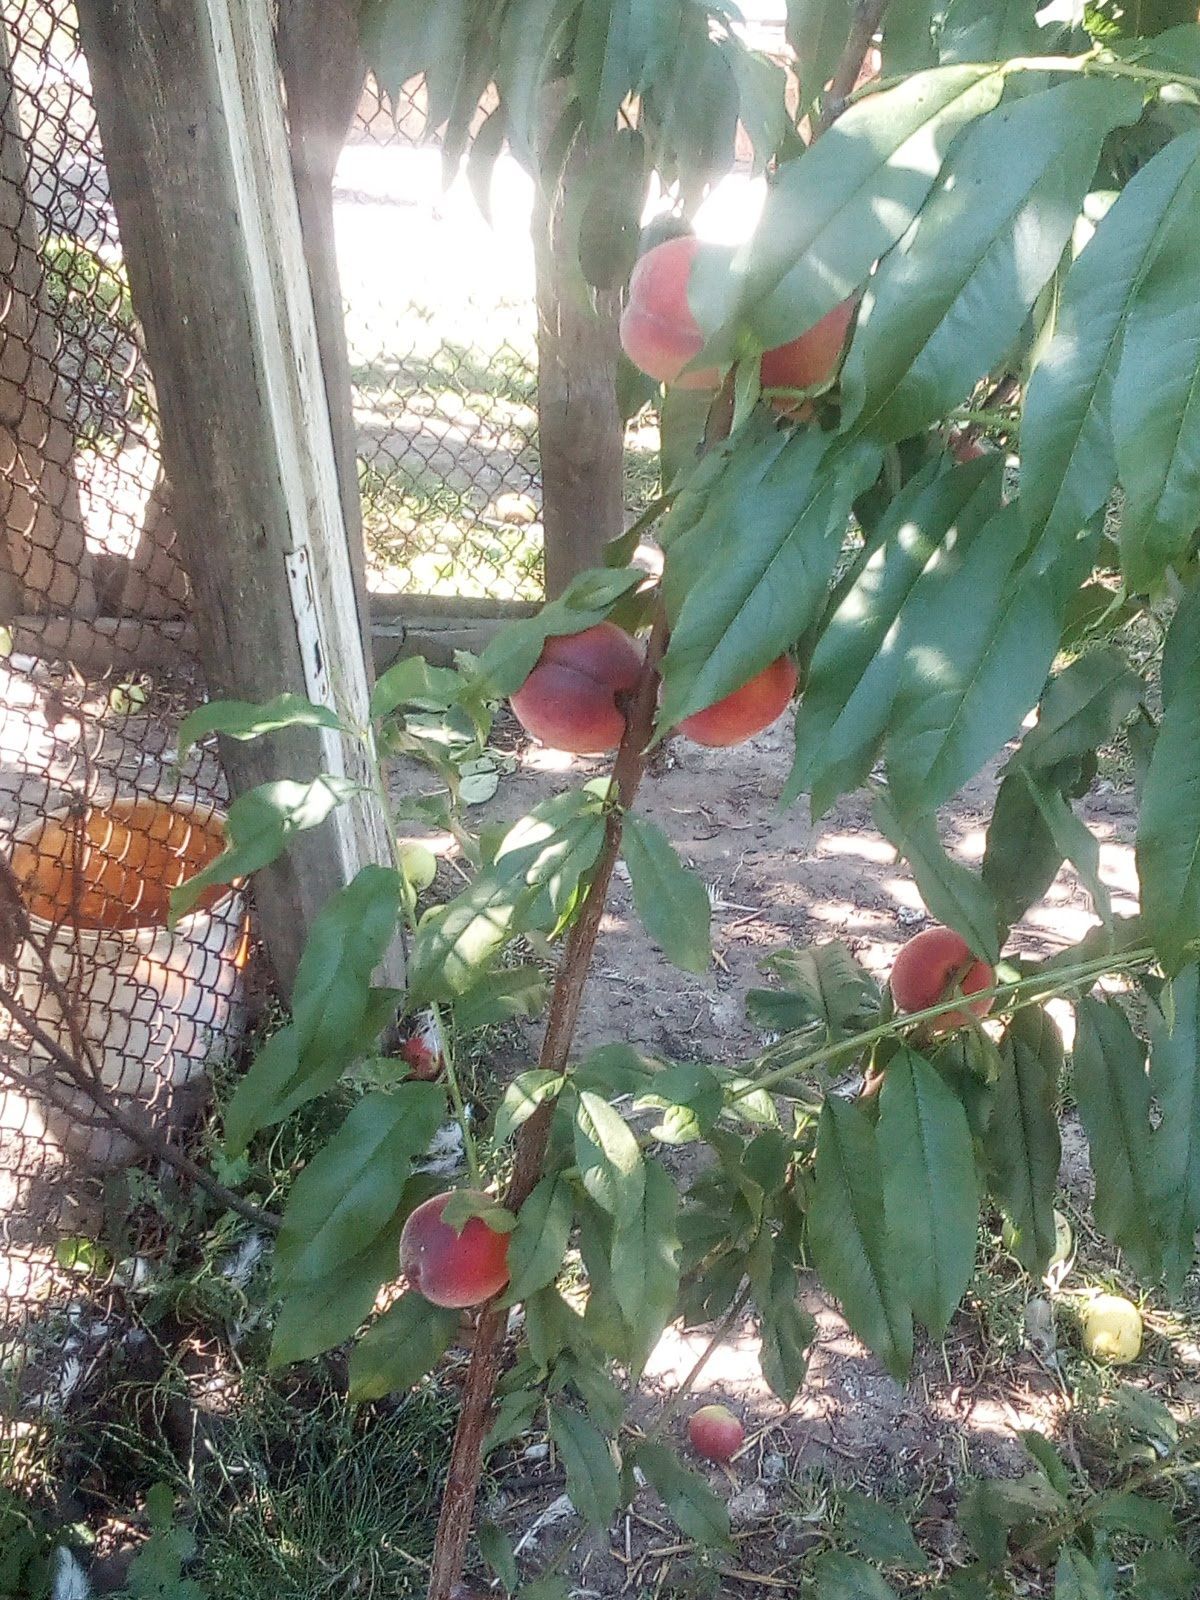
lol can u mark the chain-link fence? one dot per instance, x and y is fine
(441, 324)
(108, 1020)
(105, 1014)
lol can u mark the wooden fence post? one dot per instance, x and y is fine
(581, 438)
(188, 100)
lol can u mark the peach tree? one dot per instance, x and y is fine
(1002, 226)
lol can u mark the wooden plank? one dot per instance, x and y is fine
(188, 100)
(581, 438)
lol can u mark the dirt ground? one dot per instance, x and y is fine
(779, 879)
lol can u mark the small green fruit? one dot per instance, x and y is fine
(1112, 1329)
(420, 865)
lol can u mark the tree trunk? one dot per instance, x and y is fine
(581, 437)
(41, 525)
(323, 74)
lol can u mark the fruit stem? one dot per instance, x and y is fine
(466, 1456)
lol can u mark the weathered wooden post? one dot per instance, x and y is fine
(190, 109)
(581, 438)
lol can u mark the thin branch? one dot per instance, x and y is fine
(466, 1457)
(864, 25)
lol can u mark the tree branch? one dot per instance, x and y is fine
(864, 25)
(466, 1456)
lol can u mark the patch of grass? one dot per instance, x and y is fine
(302, 1498)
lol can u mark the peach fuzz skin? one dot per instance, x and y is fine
(569, 699)
(807, 360)
(659, 334)
(452, 1269)
(747, 710)
(715, 1432)
(926, 970)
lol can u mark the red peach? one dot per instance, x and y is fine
(659, 334)
(965, 447)
(715, 1432)
(449, 1268)
(747, 710)
(569, 701)
(423, 1063)
(931, 967)
(809, 359)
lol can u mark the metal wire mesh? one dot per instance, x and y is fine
(97, 997)
(443, 361)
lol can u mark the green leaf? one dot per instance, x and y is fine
(860, 656)
(645, 1263)
(930, 1191)
(1112, 1091)
(879, 1533)
(848, 1235)
(513, 1415)
(610, 1163)
(671, 901)
(1022, 1141)
(840, 1577)
(532, 881)
(731, 618)
(1168, 844)
(935, 317)
(512, 654)
(539, 1241)
(983, 641)
(337, 1013)
(258, 829)
(1075, 1578)
(700, 1514)
(1081, 708)
(1175, 1155)
(989, 1509)
(592, 1479)
(411, 681)
(1066, 838)
(522, 1098)
(496, 1549)
(1131, 1513)
(242, 719)
(349, 1192)
(824, 987)
(988, 30)
(1023, 854)
(835, 210)
(817, 31)
(500, 996)
(1165, 1575)
(1068, 464)
(1156, 397)
(1049, 1460)
(689, 1096)
(785, 1328)
(317, 1316)
(400, 1347)
(955, 895)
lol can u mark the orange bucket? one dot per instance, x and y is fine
(154, 1004)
